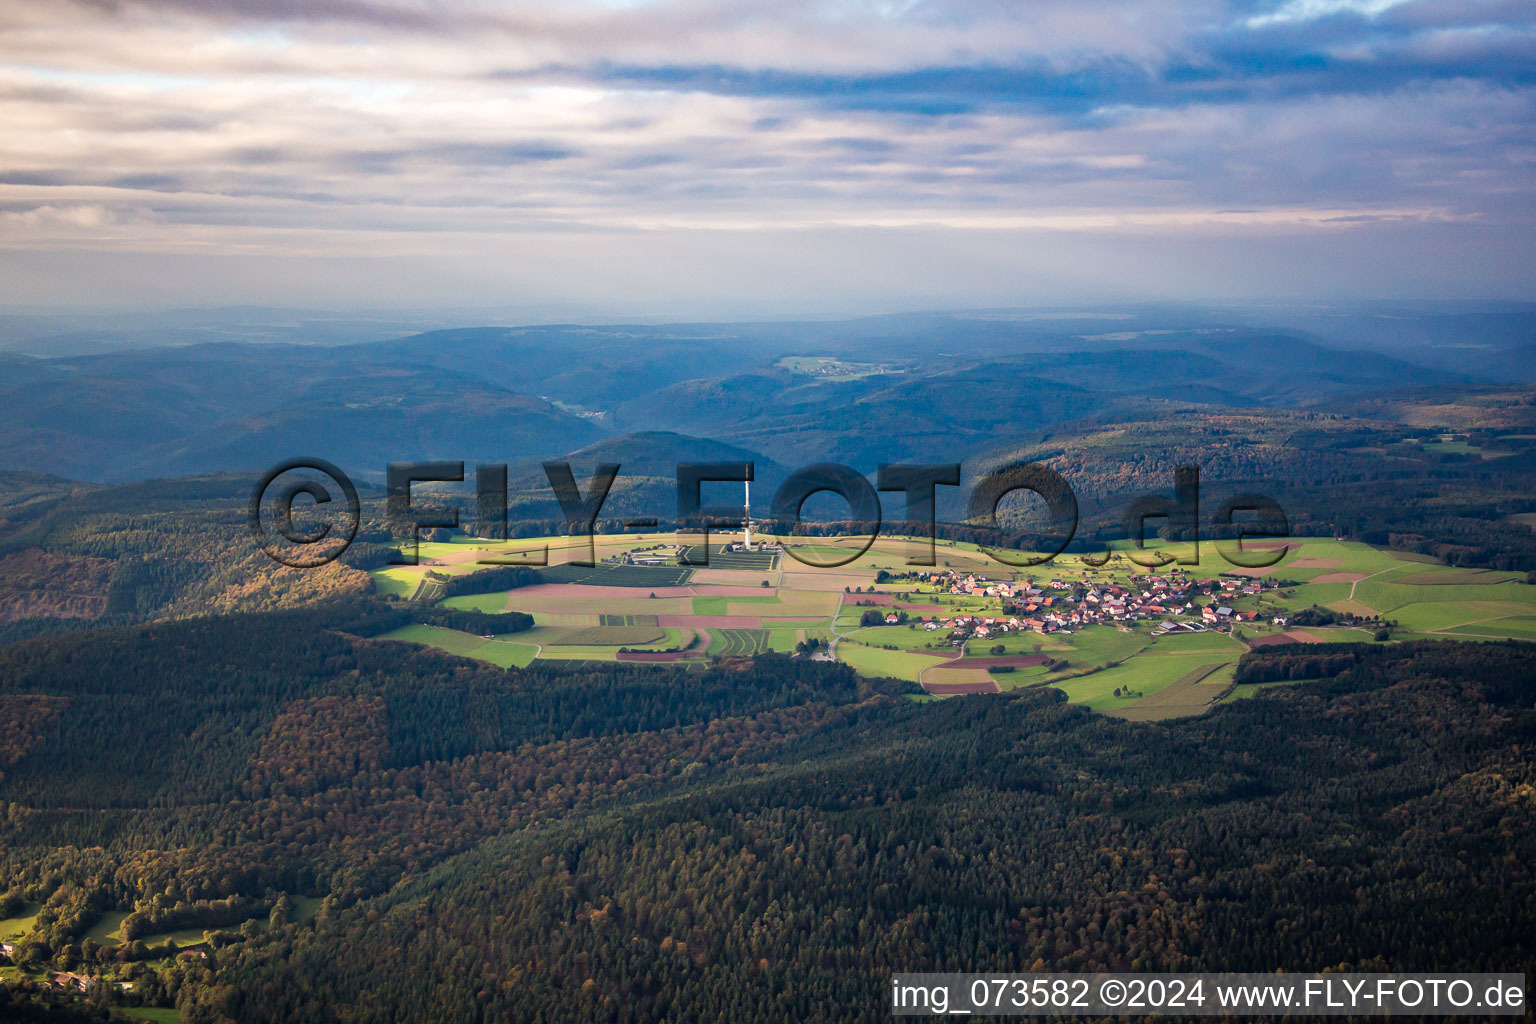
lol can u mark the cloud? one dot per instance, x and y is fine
(352, 128)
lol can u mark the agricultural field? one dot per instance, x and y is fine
(637, 576)
(738, 641)
(591, 613)
(734, 561)
(16, 927)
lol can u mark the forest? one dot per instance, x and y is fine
(759, 840)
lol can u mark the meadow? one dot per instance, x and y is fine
(730, 612)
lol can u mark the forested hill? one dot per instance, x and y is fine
(759, 841)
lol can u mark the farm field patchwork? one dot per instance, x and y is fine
(590, 613)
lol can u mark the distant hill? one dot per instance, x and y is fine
(925, 387)
(647, 481)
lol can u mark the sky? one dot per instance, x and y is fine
(765, 157)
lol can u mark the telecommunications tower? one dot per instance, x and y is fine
(746, 520)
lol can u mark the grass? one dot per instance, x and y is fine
(305, 908)
(1513, 628)
(872, 661)
(505, 654)
(1145, 676)
(1389, 596)
(738, 641)
(1189, 643)
(613, 636)
(153, 1014)
(105, 930)
(1100, 645)
(717, 605)
(1448, 576)
(16, 927)
(491, 604)
(784, 640)
(400, 582)
(451, 640)
(894, 636)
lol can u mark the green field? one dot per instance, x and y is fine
(153, 1014)
(491, 604)
(16, 927)
(1388, 597)
(1144, 676)
(505, 653)
(873, 661)
(738, 641)
(105, 930)
(1425, 598)
(399, 582)
(715, 605)
(783, 640)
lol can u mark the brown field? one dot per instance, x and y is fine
(1012, 661)
(1191, 695)
(984, 685)
(569, 619)
(826, 582)
(1294, 636)
(802, 604)
(1316, 563)
(943, 679)
(1353, 608)
(612, 636)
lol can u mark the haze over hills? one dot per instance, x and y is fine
(878, 389)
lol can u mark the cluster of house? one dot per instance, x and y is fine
(1062, 605)
(68, 981)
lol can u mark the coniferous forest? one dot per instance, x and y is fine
(371, 831)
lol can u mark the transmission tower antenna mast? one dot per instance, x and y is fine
(746, 520)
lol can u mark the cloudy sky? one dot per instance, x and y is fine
(769, 156)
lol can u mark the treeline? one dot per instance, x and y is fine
(486, 581)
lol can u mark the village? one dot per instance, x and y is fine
(1062, 605)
